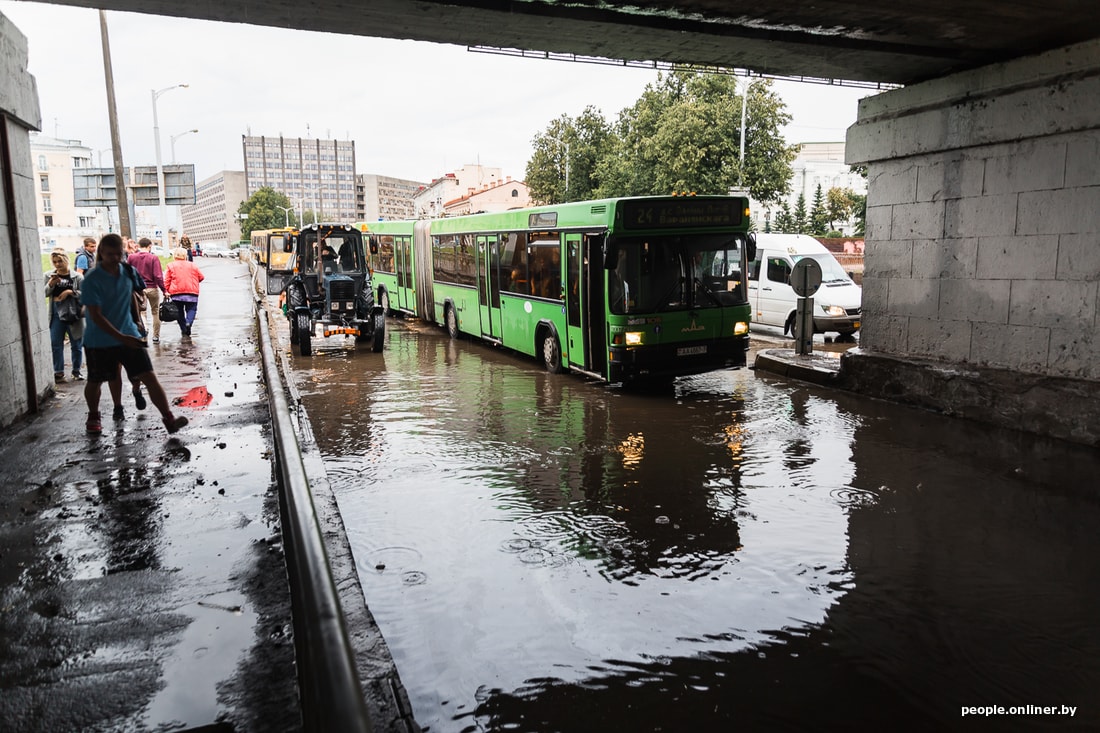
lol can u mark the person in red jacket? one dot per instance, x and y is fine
(181, 280)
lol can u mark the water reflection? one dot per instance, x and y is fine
(546, 554)
(567, 531)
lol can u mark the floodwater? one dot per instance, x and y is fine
(543, 553)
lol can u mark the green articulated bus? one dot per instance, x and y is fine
(622, 290)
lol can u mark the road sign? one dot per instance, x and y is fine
(806, 277)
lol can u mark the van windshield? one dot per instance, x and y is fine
(831, 271)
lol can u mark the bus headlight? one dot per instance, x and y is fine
(833, 310)
(740, 328)
(633, 338)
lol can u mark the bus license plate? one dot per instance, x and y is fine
(691, 350)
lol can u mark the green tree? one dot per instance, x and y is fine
(800, 220)
(564, 164)
(819, 215)
(683, 134)
(784, 221)
(261, 211)
(839, 205)
(859, 203)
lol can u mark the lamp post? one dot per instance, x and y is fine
(160, 169)
(177, 137)
(286, 212)
(564, 144)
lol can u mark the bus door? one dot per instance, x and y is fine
(279, 255)
(403, 266)
(576, 282)
(488, 284)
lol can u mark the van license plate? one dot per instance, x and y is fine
(691, 350)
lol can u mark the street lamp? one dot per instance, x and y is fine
(564, 144)
(177, 137)
(160, 169)
(286, 211)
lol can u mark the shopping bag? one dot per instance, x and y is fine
(169, 310)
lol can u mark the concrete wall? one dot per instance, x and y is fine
(983, 219)
(19, 336)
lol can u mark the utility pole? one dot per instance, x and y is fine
(116, 141)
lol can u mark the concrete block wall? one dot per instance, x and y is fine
(20, 115)
(983, 218)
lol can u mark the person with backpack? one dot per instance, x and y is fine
(85, 257)
(148, 266)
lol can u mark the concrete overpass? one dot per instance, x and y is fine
(981, 284)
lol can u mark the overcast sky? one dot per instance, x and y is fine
(415, 110)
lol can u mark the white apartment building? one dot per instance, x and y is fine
(817, 164)
(60, 222)
(384, 198)
(315, 174)
(213, 217)
(430, 202)
(491, 197)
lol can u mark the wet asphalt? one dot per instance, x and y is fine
(142, 578)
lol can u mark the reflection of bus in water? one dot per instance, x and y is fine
(280, 242)
(622, 290)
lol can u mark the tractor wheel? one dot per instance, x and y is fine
(379, 331)
(304, 327)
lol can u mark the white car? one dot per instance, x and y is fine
(217, 250)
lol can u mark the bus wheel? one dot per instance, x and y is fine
(305, 333)
(551, 353)
(384, 301)
(451, 320)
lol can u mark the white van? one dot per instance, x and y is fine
(837, 303)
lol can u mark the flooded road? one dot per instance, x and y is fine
(543, 553)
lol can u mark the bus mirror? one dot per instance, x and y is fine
(750, 246)
(610, 256)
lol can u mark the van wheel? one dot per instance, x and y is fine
(551, 353)
(789, 328)
(451, 320)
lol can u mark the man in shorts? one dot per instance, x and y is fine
(112, 339)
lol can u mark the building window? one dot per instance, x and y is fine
(47, 205)
(44, 183)
(47, 220)
(85, 221)
(42, 163)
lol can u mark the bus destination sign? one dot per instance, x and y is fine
(681, 212)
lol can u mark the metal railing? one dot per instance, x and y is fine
(331, 692)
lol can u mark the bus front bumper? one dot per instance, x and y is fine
(627, 364)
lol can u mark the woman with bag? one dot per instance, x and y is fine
(66, 314)
(181, 280)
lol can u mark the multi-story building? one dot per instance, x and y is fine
(431, 200)
(213, 217)
(817, 164)
(385, 198)
(60, 222)
(315, 174)
(497, 196)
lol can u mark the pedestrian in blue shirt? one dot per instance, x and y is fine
(111, 337)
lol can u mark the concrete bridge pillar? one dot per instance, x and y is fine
(25, 363)
(981, 289)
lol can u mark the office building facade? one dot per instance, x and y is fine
(317, 175)
(384, 198)
(213, 217)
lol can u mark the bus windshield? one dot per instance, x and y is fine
(659, 273)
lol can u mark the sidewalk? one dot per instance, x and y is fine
(142, 580)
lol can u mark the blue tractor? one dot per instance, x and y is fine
(328, 291)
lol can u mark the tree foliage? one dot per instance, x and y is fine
(261, 211)
(683, 134)
(819, 215)
(565, 161)
(839, 205)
